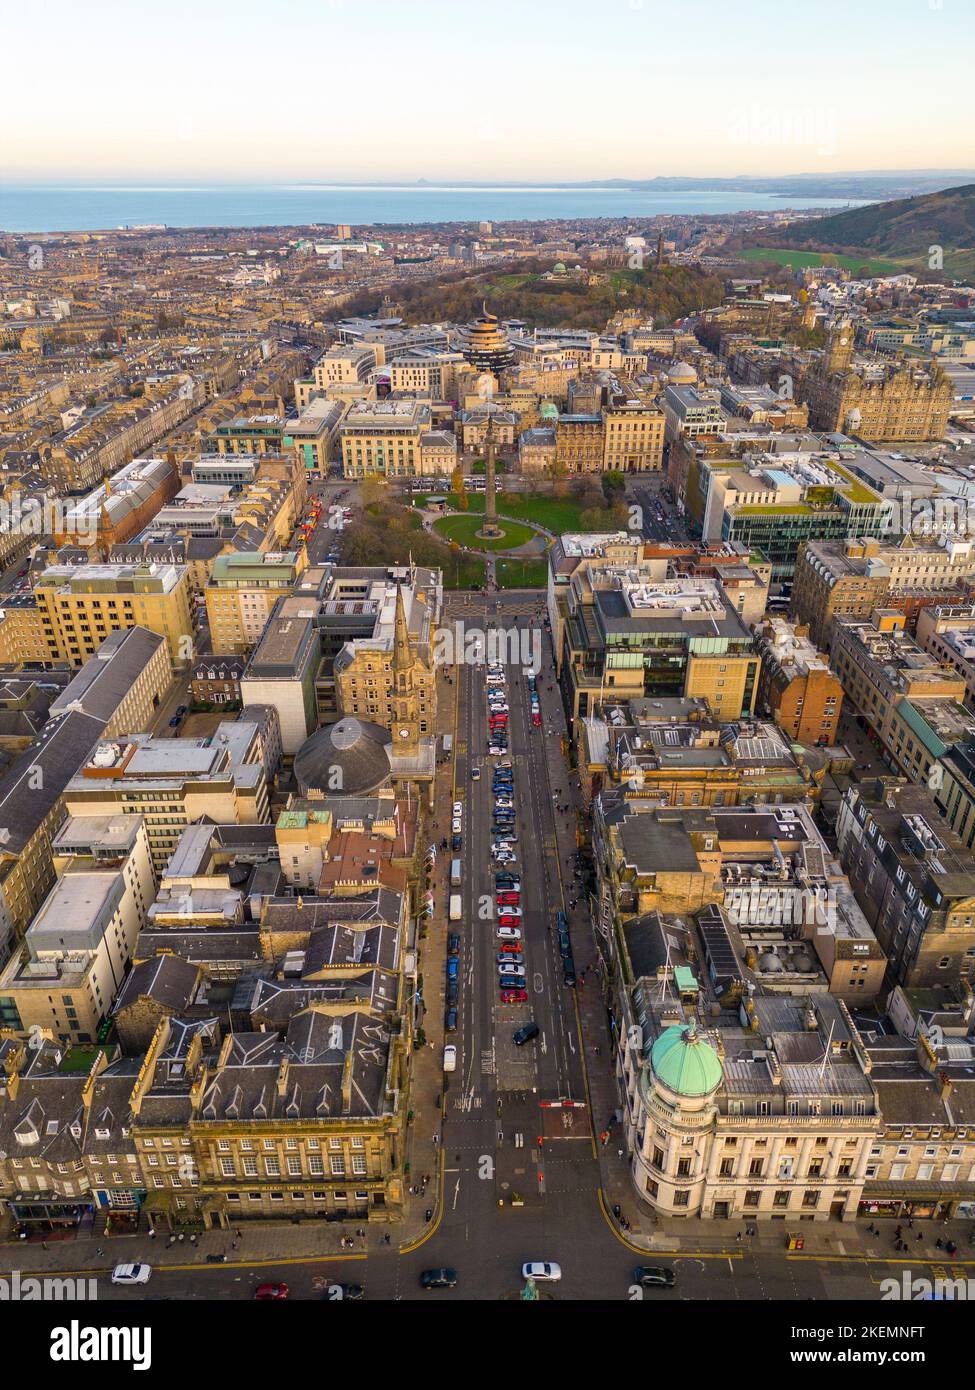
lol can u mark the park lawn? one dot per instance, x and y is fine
(801, 260)
(556, 514)
(462, 571)
(521, 574)
(461, 528)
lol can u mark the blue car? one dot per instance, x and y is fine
(453, 967)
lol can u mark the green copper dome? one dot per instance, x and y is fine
(684, 1062)
(549, 410)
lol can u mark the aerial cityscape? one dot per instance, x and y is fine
(487, 671)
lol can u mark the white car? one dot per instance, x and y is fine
(508, 933)
(517, 972)
(131, 1274)
(450, 1058)
(541, 1269)
(508, 911)
(458, 808)
(504, 803)
(456, 826)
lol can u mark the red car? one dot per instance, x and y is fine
(511, 948)
(512, 899)
(506, 920)
(514, 996)
(271, 1291)
(537, 721)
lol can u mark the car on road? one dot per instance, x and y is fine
(525, 1034)
(493, 750)
(509, 933)
(271, 1292)
(568, 972)
(131, 1274)
(475, 774)
(450, 1058)
(174, 723)
(458, 809)
(512, 969)
(514, 996)
(453, 944)
(654, 1277)
(349, 1292)
(456, 825)
(536, 721)
(453, 968)
(182, 709)
(453, 992)
(438, 1279)
(450, 1021)
(509, 899)
(511, 948)
(513, 912)
(455, 842)
(545, 1270)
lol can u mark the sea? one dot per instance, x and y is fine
(76, 207)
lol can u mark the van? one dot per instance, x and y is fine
(456, 908)
(448, 743)
(450, 1058)
(525, 1034)
(455, 873)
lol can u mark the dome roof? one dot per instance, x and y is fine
(559, 268)
(682, 371)
(684, 1062)
(549, 410)
(349, 757)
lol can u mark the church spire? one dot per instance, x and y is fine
(402, 652)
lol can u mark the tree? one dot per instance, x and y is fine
(614, 485)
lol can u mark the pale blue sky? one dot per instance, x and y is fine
(355, 90)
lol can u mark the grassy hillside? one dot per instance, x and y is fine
(900, 231)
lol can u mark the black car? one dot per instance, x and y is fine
(565, 947)
(350, 1291)
(561, 924)
(568, 972)
(453, 944)
(525, 1034)
(654, 1276)
(453, 993)
(438, 1279)
(455, 842)
(507, 883)
(450, 1021)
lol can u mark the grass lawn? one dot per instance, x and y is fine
(556, 514)
(461, 528)
(800, 260)
(463, 572)
(521, 574)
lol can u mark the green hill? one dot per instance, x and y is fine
(901, 231)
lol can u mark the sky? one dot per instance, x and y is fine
(537, 90)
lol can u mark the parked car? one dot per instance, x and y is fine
(453, 968)
(509, 899)
(271, 1292)
(453, 944)
(514, 996)
(511, 948)
(450, 1021)
(450, 1058)
(458, 810)
(507, 933)
(510, 968)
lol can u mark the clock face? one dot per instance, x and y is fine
(404, 733)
